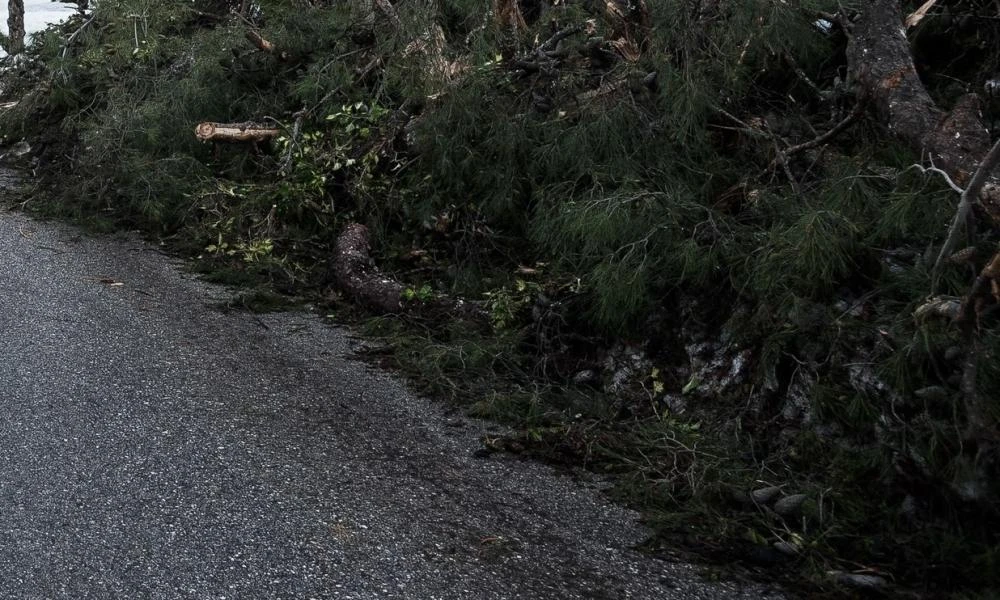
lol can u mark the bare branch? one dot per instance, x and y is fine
(76, 34)
(963, 213)
(943, 174)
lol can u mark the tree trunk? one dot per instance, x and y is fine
(15, 27)
(881, 63)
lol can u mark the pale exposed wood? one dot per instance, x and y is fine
(919, 14)
(265, 45)
(234, 132)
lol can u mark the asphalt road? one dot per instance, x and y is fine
(153, 446)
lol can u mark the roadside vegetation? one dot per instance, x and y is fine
(698, 254)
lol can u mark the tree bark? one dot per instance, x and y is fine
(15, 27)
(880, 61)
(356, 274)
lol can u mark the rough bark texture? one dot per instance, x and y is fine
(881, 63)
(390, 12)
(957, 142)
(15, 27)
(235, 132)
(356, 274)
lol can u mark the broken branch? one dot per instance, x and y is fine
(235, 132)
(264, 45)
(355, 273)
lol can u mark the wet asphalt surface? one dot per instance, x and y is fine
(153, 446)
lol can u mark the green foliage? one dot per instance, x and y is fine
(808, 257)
(633, 183)
(507, 304)
(423, 293)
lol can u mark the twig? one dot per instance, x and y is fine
(933, 169)
(802, 74)
(293, 143)
(859, 110)
(783, 160)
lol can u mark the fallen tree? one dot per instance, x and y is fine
(956, 143)
(657, 277)
(880, 61)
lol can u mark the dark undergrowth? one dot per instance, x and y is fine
(670, 303)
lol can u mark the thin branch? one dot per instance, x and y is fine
(783, 155)
(963, 213)
(76, 34)
(859, 110)
(293, 144)
(801, 74)
(933, 169)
